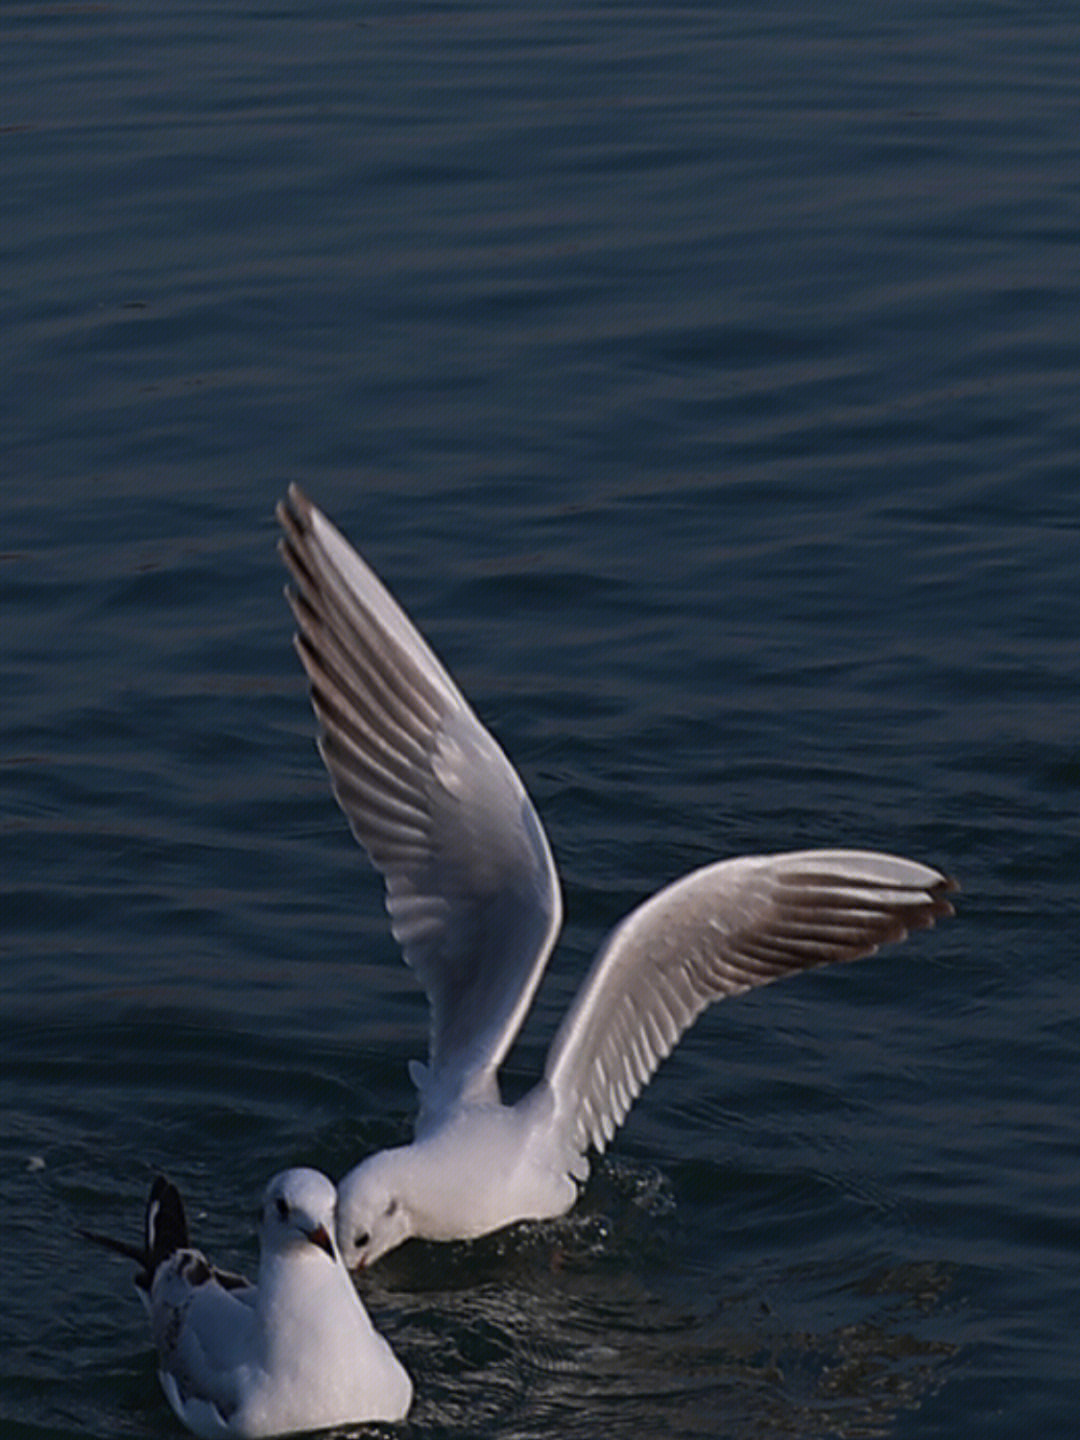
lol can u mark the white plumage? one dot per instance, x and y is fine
(294, 1352)
(474, 902)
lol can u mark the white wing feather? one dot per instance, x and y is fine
(716, 932)
(471, 886)
(202, 1332)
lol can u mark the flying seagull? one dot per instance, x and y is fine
(474, 902)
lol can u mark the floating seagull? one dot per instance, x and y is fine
(294, 1352)
(474, 903)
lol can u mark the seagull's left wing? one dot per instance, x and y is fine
(471, 886)
(716, 932)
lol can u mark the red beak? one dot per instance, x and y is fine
(319, 1237)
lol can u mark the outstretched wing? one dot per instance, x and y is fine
(716, 932)
(471, 886)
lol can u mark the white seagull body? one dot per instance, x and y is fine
(474, 902)
(294, 1352)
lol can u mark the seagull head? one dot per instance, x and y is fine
(298, 1211)
(372, 1214)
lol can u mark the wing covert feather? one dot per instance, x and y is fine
(201, 1331)
(720, 931)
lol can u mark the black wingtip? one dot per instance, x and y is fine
(293, 511)
(118, 1247)
(166, 1228)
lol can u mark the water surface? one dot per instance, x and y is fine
(703, 379)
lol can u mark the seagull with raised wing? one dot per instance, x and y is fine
(294, 1352)
(474, 902)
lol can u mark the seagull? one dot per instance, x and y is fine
(474, 903)
(296, 1351)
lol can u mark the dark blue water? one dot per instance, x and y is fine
(704, 380)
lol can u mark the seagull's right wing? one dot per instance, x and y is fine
(716, 932)
(471, 886)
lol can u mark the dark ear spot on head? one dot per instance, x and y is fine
(282, 1208)
(194, 1268)
(391, 1209)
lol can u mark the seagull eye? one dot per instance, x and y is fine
(282, 1208)
(361, 1239)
